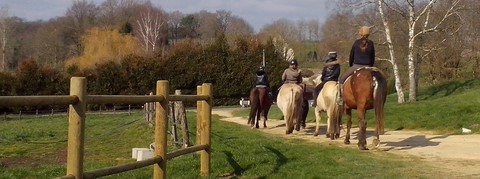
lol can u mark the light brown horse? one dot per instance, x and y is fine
(290, 101)
(365, 89)
(259, 106)
(326, 102)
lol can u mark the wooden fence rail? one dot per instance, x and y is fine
(77, 101)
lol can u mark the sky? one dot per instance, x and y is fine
(256, 12)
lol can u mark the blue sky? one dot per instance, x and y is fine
(255, 12)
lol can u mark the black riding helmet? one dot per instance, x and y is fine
(332, 56)
(293, 62)
(261, 70)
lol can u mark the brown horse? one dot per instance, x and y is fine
(365, 89)
(259, 106)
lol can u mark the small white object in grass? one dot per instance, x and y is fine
(466, 131)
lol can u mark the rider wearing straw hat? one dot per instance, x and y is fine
(362, 54)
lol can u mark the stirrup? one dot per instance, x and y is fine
(339, 101)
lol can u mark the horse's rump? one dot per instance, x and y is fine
(326, 102)
(260, 105)
(289, 101)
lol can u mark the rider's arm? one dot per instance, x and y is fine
(284, 76)
(331, 63)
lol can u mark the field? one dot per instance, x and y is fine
(36, 147)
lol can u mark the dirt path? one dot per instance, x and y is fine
(459, 154)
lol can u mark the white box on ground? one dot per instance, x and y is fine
(135, 152)
(144, 154)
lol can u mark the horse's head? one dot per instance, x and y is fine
(317, 79)
(313, 80)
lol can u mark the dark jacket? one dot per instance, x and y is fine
(331, 73)
(357, 56)
(261, 78)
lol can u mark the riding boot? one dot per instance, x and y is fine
(315, 96)
(340, 94)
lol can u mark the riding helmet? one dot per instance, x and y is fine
(293, 62)
(332, 55)
(262, 68)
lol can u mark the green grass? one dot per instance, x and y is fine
(442, 109)
(38, 146)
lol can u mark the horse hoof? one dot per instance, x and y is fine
(327, 135)
(346, 142)
(362, 148)
(315, 134)
(337, 136)
(376, 143)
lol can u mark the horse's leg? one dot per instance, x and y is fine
(258, 117)
(265, 115)
(362, 125)
(331, 124)
(338, 122)
(349, 125)
(317, 121)
(305, 109)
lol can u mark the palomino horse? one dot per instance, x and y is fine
(259, 106)
(290, 101)
(326, 102)
(365, 89)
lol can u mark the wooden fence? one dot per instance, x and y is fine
(77, 101)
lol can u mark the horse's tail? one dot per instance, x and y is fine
(337, 112)
(291, 106)
(254, 105)
(380, 96)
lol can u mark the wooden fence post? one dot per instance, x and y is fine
(149, 112)
(199, 116)
(173, 120)
(76, 127)
(206, 128)
(161, 126)
(180, 115)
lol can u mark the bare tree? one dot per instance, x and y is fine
(116, 12)
(224, 20)
(3, 35)
(150, 28)
(414, 17)
(174, 24)
(81, 16)
(420, 17)
(392, 60)
(238, 27)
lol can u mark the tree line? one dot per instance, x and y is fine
(230, 69)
